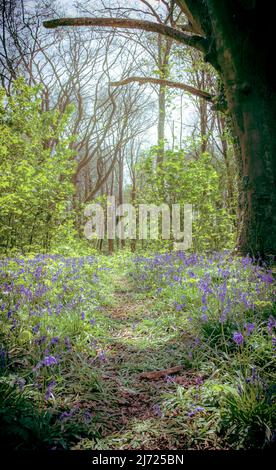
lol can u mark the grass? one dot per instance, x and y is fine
(77, 333)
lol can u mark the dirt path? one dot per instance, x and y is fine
(131, 373)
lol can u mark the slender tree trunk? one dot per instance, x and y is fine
(203, 124)
(133, 202)
(121, 188)
(161, 124)
(164, 48)
(181, 121)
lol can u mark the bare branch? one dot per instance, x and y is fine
(198, 42)
(158, 81)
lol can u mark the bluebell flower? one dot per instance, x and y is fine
(102, 356)
(36, 328)
(49, 390)
(238, 338)
(271, 324)
(179, 307)
(157, 410)
(49, 361)
(249, 327)
(196, 410)
(170, 379)
(67, 342)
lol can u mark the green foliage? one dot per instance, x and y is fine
(248, 417)
(222, 413)
(25, 426)
(53, 311)
(183, 179)
(75, 334)
(36, 167)
(231, 343)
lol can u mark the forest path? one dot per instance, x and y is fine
(144, 361)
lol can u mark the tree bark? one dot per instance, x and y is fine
(251, 95)
(196, 41)
(222, 127)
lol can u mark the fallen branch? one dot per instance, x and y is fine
(160, 373)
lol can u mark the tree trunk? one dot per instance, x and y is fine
(164, 48)
(133, 202)
(203, 124)
(121, 188)
(251, 95)
(254, 127)
(161, 124)
(222, 127)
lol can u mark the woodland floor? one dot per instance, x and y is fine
(139, 371)
(115, 353)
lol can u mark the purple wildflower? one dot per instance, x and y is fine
(67, 342)
(271, 324)
(87, 416)
(179, 307)
(36, 328)
(21, 383)
(49, 390)
(102, 356)
(66, 415)
(157, 410)
(170, 379)
(196, 410)
(222, 292)
(249, 327)
(267, 278)
(238, 338)
(49, 361)
(41, 340)
(54, 340)
(223, 318)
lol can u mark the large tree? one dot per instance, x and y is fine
(232, 37)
